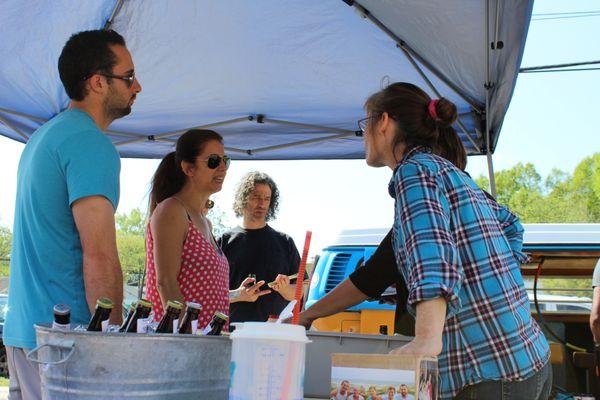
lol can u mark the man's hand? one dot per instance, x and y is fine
(420, 347)
(428, 330)
(247, 291)
(304, 319)
(282, 286)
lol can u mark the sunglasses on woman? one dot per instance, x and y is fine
(214, 160)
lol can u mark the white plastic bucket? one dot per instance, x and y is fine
(267, 361)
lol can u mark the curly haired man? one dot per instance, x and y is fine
(255, 249)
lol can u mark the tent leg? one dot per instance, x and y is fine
(490, 163)
(488, 87)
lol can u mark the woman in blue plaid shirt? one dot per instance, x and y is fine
(459, 253)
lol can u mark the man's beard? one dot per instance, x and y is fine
(113, 109)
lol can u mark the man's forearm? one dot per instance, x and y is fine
(595, 315)
(430, 320)
(343, 296)
(103, 277)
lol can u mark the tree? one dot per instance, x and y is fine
(5, 242)
(560, 198)
(133, 223)
(132, 253)
(5, 249)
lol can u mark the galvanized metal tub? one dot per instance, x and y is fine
(93, 365)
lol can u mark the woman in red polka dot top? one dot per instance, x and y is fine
(183, 260)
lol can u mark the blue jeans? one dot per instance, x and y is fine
(536, 387)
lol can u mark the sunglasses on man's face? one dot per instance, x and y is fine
(128, 79)
(214, 160)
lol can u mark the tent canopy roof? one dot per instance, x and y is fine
(278, 79)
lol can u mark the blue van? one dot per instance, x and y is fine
(567, 250)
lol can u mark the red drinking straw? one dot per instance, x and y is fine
(300, 279)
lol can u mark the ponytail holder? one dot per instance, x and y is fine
(432, 111)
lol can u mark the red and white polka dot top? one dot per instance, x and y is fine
(203, 278)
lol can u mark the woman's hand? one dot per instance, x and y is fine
(247, 291)
(282, 285)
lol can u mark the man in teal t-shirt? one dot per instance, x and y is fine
(64, 241)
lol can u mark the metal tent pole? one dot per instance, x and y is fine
(115, 10)
(309, 126)
(44, 120)
(14, 128)
(438, 94)
(488, 86)
(490, 163)
(367, 14)
(179, 132)
(302, 142)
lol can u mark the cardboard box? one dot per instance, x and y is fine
(383, 377)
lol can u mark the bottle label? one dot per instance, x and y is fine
(206, 329)
(194, 326)
(61, 327)
(142, 324)
(175, 325)
(104, 325)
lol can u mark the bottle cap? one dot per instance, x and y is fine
(145, 303)
(175, 304)
(105, 302)
(222, 316)
(62, 309)
(191, 304)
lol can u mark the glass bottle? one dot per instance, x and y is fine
(99, 321)
(130, 313)
(142, 311)
(216, 325)
(62, 317)
(189, 324)
(167, 323)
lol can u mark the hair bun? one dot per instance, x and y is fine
(446, 112)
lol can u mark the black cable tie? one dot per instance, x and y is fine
(249, 152)
(488, 85)
(151, 138)
(260, 119)
(359, 133)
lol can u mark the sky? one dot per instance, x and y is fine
(551, 123)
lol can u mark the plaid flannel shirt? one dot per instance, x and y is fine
(452, 241)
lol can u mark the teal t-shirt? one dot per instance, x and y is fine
(66, 159)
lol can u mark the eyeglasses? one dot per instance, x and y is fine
(128, 79)
(362, 123)
(214, 160)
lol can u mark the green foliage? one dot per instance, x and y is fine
(5, 242)
(132, 253)
(133, 223)
(560, 198)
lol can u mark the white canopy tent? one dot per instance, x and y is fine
(278, 79)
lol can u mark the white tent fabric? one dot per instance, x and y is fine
(278, 79)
